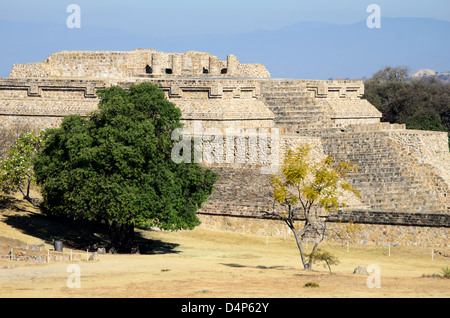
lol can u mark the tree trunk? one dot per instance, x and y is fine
(122, 238)
(298, 237)
(311, 257)
(298, 240)
(26, 196)
(307, 263)
(31, 200)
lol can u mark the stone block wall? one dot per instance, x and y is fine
(366, 228)
(40, 69)
(137, 63)
(76, 64)
(405, 174)
(36, 104)
(426, 148)
(216, 103)
(389, 177)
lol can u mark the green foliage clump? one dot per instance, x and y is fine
(323, 256)
(16, 168)
(115, 166)
(422, 104)
(446, 272)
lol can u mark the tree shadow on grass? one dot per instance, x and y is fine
(79, 235)
(258, 266)
(9, 204)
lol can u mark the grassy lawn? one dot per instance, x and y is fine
(209, 263)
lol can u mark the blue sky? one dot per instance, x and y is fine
(223, 27)
(190, 17)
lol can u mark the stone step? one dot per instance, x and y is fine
(301, 111)
(285, 93)
(293, 121)
(303, 130)
(295, 107)
(299, 125)
(290, 120)
(287, 102)
(298, 116)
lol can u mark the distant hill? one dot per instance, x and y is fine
(306, 50)
(424, 73)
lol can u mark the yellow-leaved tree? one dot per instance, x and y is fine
(309, 192)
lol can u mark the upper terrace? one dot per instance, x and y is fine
(137, 63)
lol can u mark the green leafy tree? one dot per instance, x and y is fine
(422, 104)
(307, 193)
(391, 74)
(115, 167)
(16, 168)
(425, 120)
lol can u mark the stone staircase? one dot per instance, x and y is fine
(388, 179)
(295, 109)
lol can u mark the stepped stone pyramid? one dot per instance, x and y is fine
(403, 175)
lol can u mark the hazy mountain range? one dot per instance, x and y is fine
(305, 50)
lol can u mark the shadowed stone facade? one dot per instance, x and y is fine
(400, 172)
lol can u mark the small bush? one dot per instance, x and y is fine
(446, 272)
(311, 284)
(323, 256)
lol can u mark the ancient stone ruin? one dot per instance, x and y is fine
(403, 175)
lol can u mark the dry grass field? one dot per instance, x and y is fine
(205, 263)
